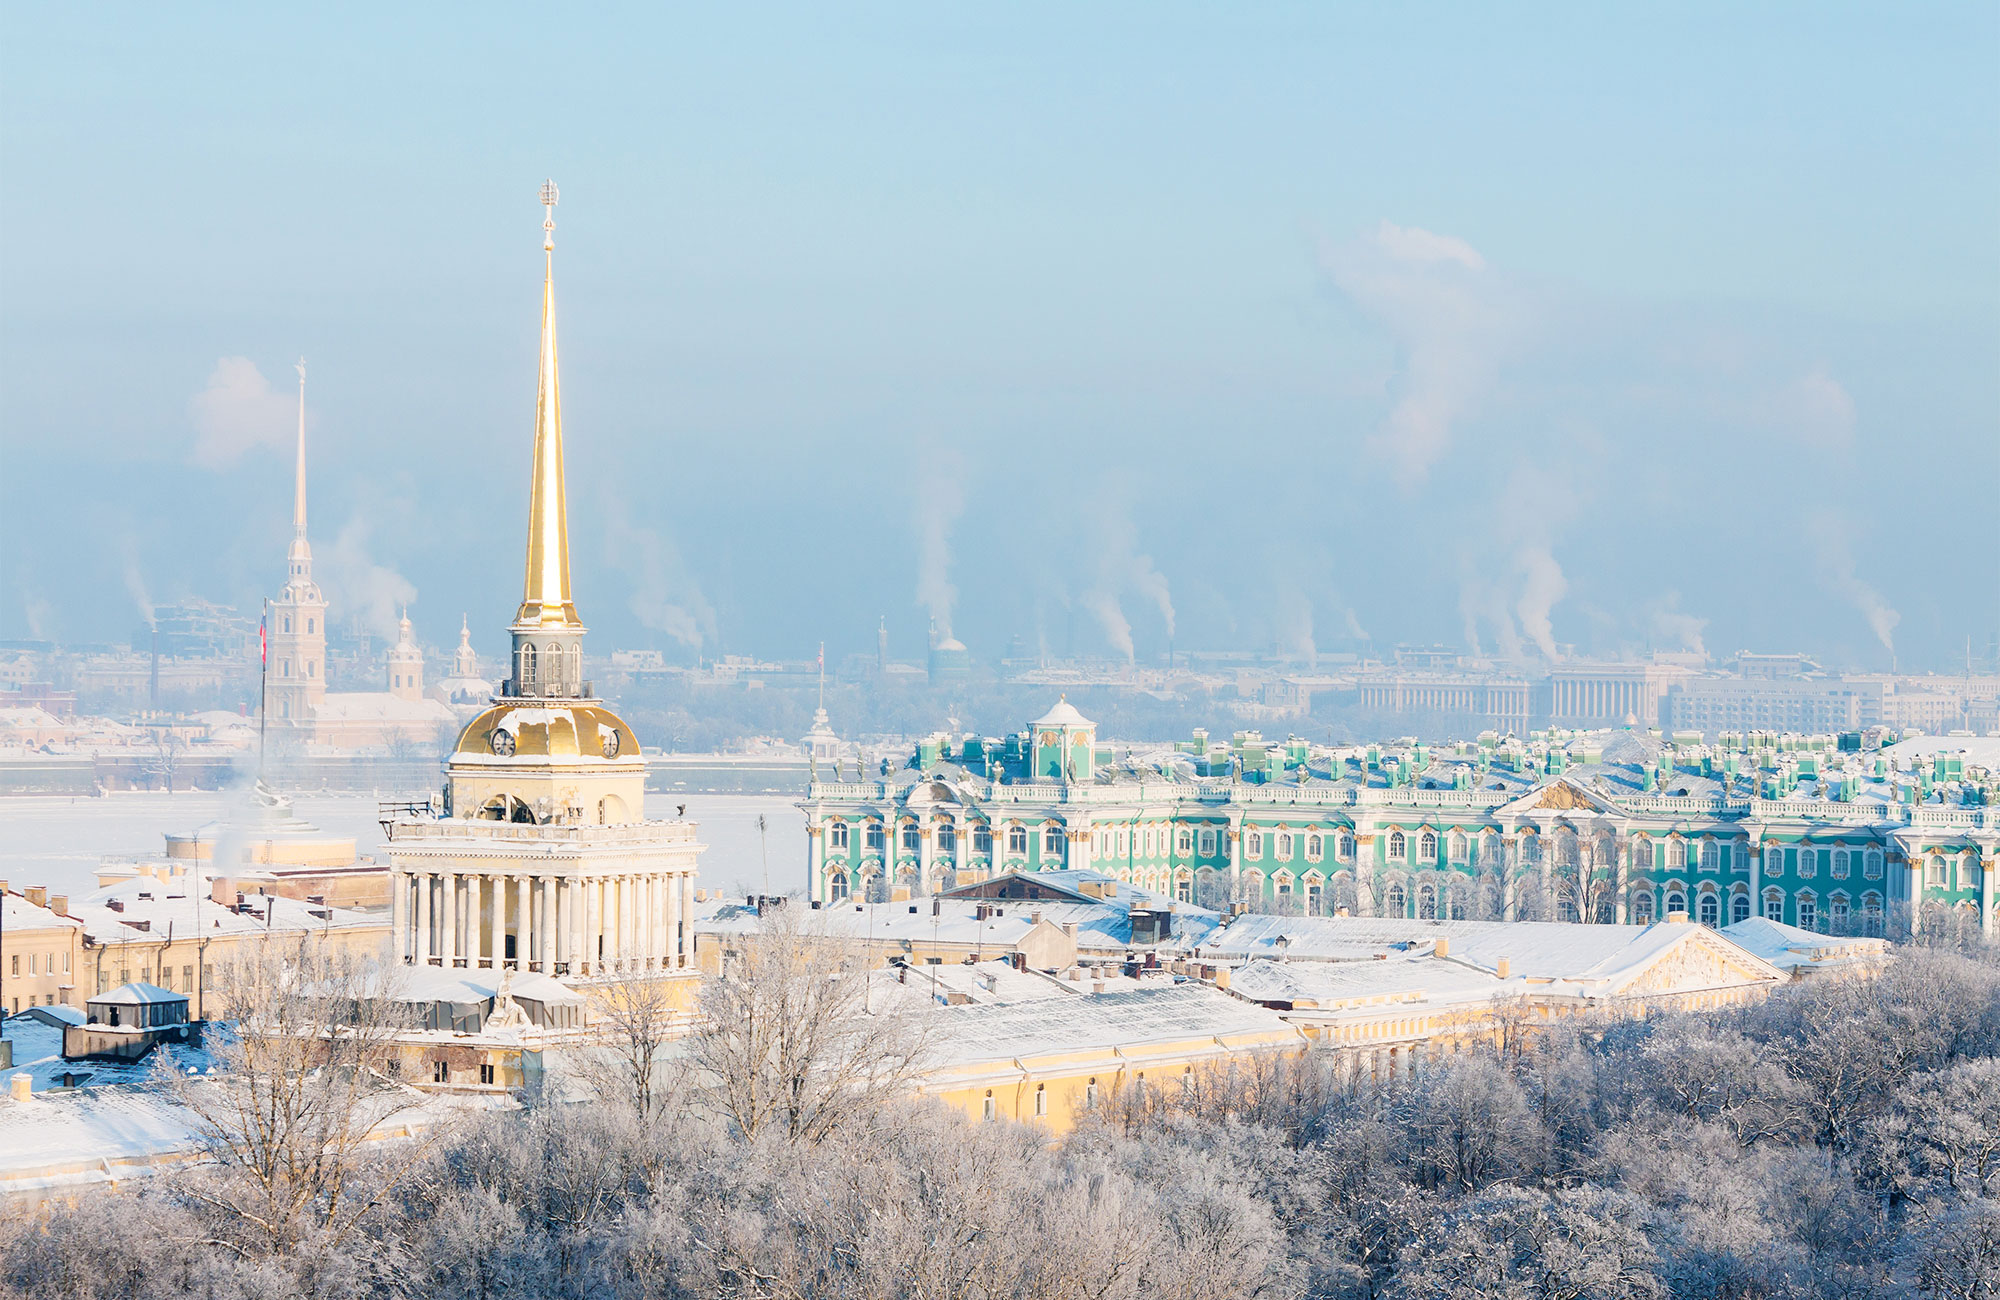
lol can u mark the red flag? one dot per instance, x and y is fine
(822, 654)
(263, 648)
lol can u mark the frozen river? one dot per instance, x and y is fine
(58, 842)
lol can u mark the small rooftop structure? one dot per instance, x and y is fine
(139, 1006)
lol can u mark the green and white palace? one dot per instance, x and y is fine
(1605, 827)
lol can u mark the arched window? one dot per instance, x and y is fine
(836, 886)
(1395, 903)
(912, 837)
(982, 839)
(1711, 855)
(312, 668)
(1398, 846)
(1041, 1100)
(1840, 861)
(527, 667)
(1017, 839)
(1427, 847)
(1676, 902)
(1207, 842)
(1284, 853)
(1642, 853)
(1253, 844)
(1677, 855)
(1427, 904)
(1934, 872)
(1052, 838)
(1315, 846)
(1808, 910)
(1837, 913)
(1184, 890)
(875, 836)
(1872, 864)
(836, 836)
(1739, 906)
(1455, 846)
(1808, 863)
(287, 623)
(947, 837)
(1711, 909)
(1642, 907)
(555, 667)
(987, 1109)
(1183, 841)
(1871, 915)
(1314, 892)
(309, 627)
(1774, 906)
(1090, 1095)
(1344, 846)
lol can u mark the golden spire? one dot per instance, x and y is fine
(545, 600)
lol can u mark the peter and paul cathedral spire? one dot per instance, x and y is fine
(296, 625)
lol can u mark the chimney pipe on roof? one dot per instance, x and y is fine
(1503, 968)
(1442, 948)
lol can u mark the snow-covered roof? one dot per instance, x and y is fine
(183, 904)
(1788, 947)
(1064, 714)
(1124, 1020)
(1102, 928)
(138, 993)
(1591, 955)
(20, 914)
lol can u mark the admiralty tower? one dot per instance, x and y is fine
(542, 858)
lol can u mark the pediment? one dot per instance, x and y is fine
(1560, 795)
(1698, 963)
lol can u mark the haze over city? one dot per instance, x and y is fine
(1106, 329)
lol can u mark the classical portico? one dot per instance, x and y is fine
(544, 860)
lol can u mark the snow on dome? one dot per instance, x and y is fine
(1064, 714)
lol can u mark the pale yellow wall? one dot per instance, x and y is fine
(37, 962)
(141, 959)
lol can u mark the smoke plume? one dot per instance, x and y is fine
(1434, 296)
(665, 596)
(358, 586)
(238, 411)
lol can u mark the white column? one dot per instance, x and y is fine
(645, 913)
(1986, 893)
(448, 938)
(687, 917)
(673, 921)
(399, 906)
(523, 929)
(545, 955)
(593, 924)
(477, 944)
(422, 953)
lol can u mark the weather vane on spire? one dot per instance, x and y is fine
(549, 196)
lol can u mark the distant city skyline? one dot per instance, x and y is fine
(1615, 331)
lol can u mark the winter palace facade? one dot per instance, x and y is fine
(1622, 826)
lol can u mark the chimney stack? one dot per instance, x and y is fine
(1503, 968)
(1442, 948)
(37, 894)
(222, 891)
(59, 904)
(21, 1085)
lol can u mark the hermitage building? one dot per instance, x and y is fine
(1620, 827)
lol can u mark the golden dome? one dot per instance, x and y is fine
(535, 731)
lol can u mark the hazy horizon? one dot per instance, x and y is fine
(1605, 328)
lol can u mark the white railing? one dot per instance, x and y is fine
(1682, 803)
(848, 790)
(1823, 810)
(466, 828)
(1960, 818)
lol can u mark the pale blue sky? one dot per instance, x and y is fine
(1568, 322)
